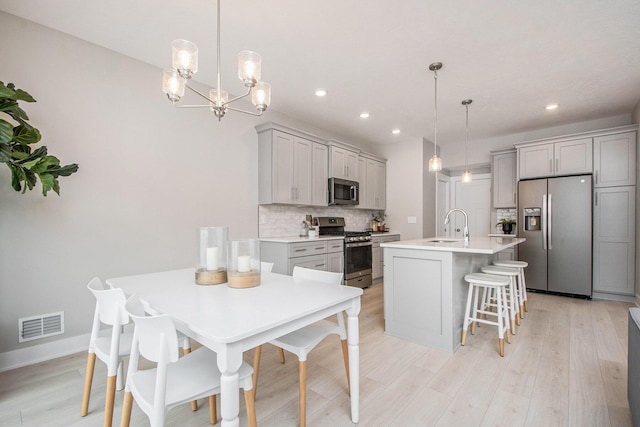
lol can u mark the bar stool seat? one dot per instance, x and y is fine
(513, 302)
(482, 281)
(522, 284)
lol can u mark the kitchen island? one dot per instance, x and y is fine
(424, 287)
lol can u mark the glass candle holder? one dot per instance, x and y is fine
(244, 263)
(211, 268)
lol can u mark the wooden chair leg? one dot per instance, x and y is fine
(256, 367)
(213, 414)
(345, 356)
(88, 380)
(250, 403)
(302, 380)
(127, 404)
(194, 403)
(109, 401)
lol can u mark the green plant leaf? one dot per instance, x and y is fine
(24, 135)
(67, 170)
(5, 92)
(37, 153)
(21, 95)
(45, 164)
(6, 131)
(48, 182)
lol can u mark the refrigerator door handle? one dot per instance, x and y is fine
(544, 222)
(550, 215)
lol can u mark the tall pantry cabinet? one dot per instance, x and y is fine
(614, 213)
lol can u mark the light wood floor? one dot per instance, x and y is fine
(566, 366)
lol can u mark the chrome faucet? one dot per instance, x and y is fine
(465, 232)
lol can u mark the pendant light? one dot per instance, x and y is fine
(435, 163)
(466, 176)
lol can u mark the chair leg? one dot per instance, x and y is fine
(256, 368)
(467, 313)
(281, 355)
(345, 356)
(127, 404)
(302, 373)
(109, 401)
(213, 414)
(250, 403)
(194, 403)
(88, 379)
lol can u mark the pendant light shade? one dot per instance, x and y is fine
(435, 163)
(466, 176)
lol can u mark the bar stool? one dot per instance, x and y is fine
(482, 281)
(522, 284)
(512, 296)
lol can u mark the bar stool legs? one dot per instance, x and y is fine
(482, 281)
(522, 284)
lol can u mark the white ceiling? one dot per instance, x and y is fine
(511, 57)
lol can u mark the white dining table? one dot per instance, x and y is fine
(230, 321)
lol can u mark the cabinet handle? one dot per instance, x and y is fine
(319, 265)
(321, 247)
(557, 168)
(596, 194)
(550, 166)
(300, 250)
(292, 198)
(595, 178)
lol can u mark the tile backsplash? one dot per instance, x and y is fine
(280, 220)
(505, 214)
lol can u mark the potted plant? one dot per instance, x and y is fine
(507, 225)
(377, 222)
(16, 141)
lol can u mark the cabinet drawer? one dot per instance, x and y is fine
(307, 248)
(335, 246)
(316, 262)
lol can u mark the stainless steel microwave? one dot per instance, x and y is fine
(343, 192)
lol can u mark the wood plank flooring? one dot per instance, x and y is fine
(566, 366)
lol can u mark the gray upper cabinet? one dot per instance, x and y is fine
(614, 160)
(292, 167)
(503, 173)
(364, 202)
(555, 158)
(372, 177)
(343, 163)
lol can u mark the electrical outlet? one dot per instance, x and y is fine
(412, 220)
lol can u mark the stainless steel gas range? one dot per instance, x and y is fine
(357, 250)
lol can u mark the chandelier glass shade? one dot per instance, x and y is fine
(435, 163)
(466, 176)
(184, 64)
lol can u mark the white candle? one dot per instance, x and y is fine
(244, 264)
(212, 258)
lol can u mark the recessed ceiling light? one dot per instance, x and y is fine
(321, 92)
(551, 106)
(364, 115)
(395, 131)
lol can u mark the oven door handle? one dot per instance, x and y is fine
(358, 244)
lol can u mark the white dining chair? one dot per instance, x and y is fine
(302, 341)
(110, 349)
(266, 267)
(175, 380)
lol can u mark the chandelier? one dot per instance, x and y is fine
(435, 162)
(466, 176)
(184, 63)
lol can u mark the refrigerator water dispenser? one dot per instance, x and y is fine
(532, 219)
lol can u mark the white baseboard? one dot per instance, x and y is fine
(43, 352)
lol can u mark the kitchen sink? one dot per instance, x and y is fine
(441, 241)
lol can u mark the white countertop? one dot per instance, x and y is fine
(478, 244)
(297, 239)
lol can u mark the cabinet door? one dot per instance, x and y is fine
(614, 160)
(316, 262)
(303, 172)
(335, 262)
(571, 157)
(364, 202)
(352, 159)
(283, 187)
(338, 163)
(614, 240)
(320, 175)
(535, 161)
(504, 180)
(380, 185)
(376, 263)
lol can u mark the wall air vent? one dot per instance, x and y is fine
(44, 325)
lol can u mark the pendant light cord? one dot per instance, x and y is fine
(435, 124)
(219, 88)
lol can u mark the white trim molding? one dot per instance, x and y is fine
(43, 352)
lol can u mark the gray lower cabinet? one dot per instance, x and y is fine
(614, 240)
(377, 253)
(325, 254)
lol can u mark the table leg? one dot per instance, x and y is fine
(229, 361)
(353, 339)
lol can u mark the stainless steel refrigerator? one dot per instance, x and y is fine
(554, 215)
